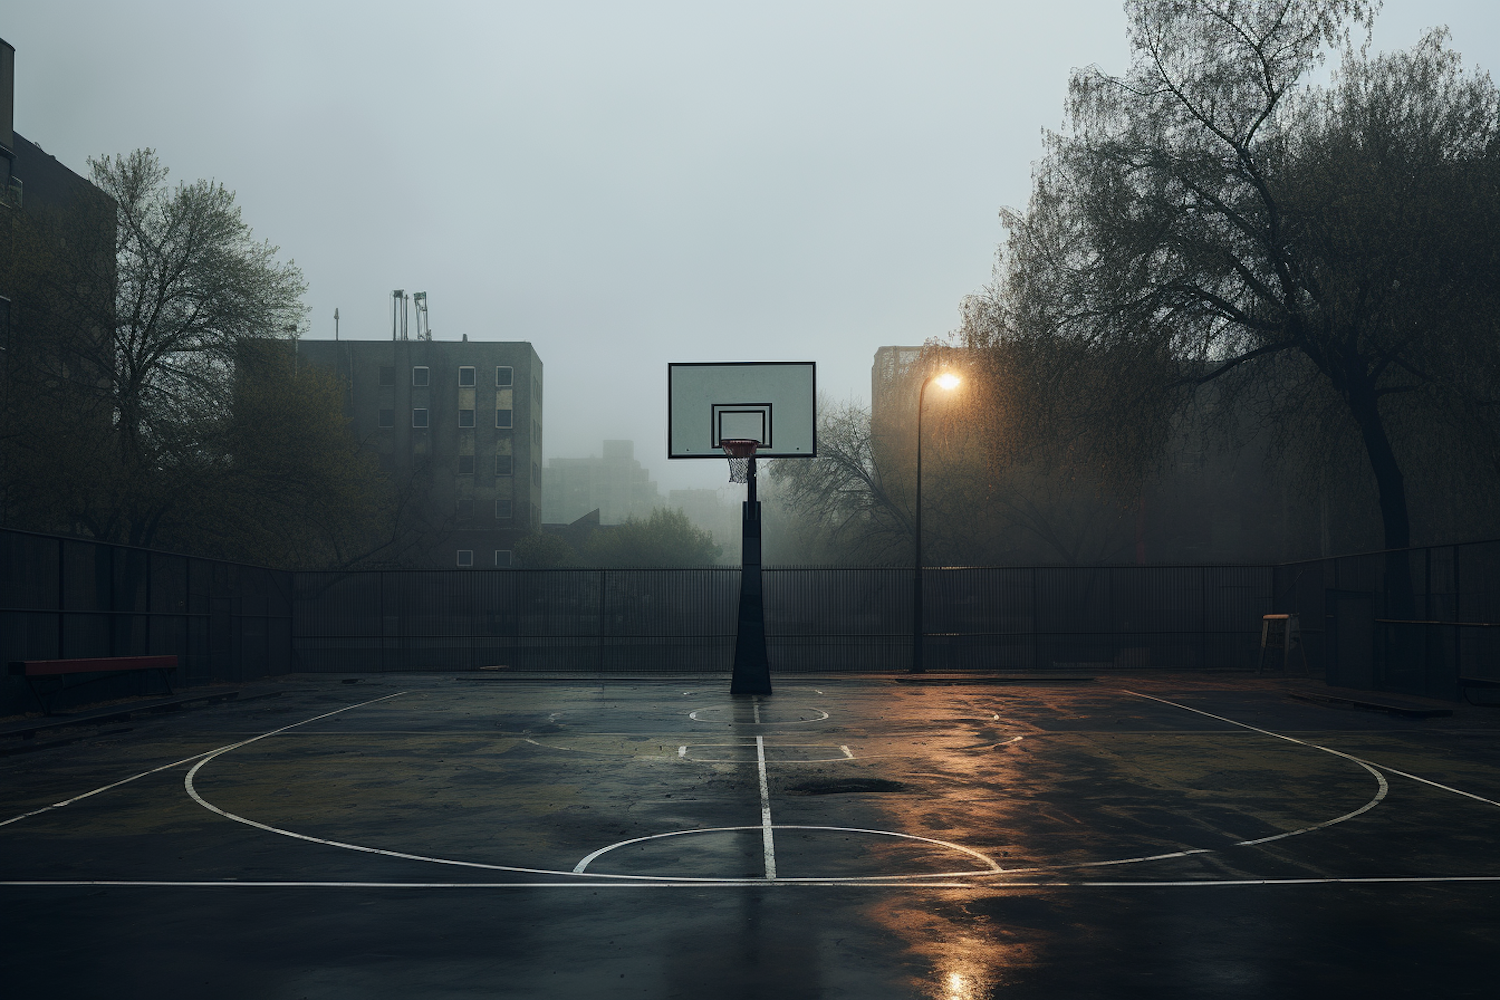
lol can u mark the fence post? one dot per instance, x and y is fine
(62, 593)
(603, 617)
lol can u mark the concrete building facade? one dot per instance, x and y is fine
(459, 424)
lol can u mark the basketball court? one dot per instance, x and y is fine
(1139, 834)
(458, 836)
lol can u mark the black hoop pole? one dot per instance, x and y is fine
(752, 671)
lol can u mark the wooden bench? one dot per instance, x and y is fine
(1465, 683)
(31, 669)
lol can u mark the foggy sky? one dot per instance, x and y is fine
(622, 184)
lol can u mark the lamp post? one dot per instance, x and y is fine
(947, 380)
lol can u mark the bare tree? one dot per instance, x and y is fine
(1208, 215)
(192, 285)
(847, 500)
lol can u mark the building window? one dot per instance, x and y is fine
(466, 418)
(466, 557)
(465, 375)
(466, 465)
(387, 417)
(504, 375)
(536, 387)
(419, 416)
(419, 375)
(502, 510)
(536, 431)
(503, 465)
(387, 374)
(504, 418)
(502, 559)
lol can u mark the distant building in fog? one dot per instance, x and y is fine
(37, 190)
(615, 484)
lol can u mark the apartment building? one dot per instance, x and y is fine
(458, 424)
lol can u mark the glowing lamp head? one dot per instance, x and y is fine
(948, 380)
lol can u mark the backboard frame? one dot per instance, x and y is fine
(774, 402)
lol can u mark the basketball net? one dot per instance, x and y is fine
(741, 452)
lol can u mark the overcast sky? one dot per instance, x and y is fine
(621, 184)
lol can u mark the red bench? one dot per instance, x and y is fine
(91, 665)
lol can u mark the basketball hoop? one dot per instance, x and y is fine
(741, 452)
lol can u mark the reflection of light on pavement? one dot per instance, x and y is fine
(967, 982)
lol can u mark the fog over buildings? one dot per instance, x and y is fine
(620, 185)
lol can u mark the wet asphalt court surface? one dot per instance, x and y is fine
(469, 837)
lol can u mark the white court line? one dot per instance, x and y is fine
(756, 706)
(822, 717)
(767, 839)
(988, 886)
(189, 779)
(1368, 765)
(185, 760)
(766, 828)
(991, 867)
(597, 753)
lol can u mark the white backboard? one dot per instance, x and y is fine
(771, 401)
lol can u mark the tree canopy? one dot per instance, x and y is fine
(155, 397)
(665, 539)
(1325, 256)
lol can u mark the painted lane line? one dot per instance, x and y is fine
(847, 752)
(596, 753)
(1379, 797)
(767, 838)
(189, 784)
(754, 883)
(179, 763)
(756, 706)
(1382, 789)
(991, 868)
(1368, 765)
(822, 716)
(1319, 880)
(1434, 784)
(682, 751)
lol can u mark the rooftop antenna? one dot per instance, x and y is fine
(399, 315)
(424, 325)
(335, 322)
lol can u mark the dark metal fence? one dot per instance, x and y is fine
(816, 619)
(66, 597)
(546, 620)
(1415, 621)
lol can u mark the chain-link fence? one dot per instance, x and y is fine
(1417, 621)
(817, 619)
(64, 598)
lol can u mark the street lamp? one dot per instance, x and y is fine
(946, 380)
